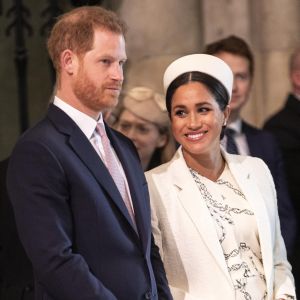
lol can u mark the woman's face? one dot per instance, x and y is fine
(196, 120)
(145, 135)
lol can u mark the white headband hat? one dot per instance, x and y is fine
(204, 63)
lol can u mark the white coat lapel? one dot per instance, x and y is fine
(246, 181)
(195, 206)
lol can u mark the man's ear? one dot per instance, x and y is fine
(296, 77)
(68, 61)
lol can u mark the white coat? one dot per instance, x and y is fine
(188, 242)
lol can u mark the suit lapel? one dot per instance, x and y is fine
(194, 205)
(87, 154)
(136, 184)
(246, 181)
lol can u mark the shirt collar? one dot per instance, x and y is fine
(83, 121)
(236, 125)
(297, 96)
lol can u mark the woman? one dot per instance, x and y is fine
(214, 214)
(144, 119)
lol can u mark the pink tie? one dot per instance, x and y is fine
(112, 166)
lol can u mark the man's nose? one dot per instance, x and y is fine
(117, 72)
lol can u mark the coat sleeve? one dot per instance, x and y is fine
(283, 278)
(286, 211)
(39, 191)
(158, 267)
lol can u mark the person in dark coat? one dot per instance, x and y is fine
(285, 125)
(16, 275)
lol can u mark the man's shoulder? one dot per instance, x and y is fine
(285, 116)
(262, 134)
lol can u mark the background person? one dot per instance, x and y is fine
(144, 119)
(214, 214)
(78, 191)
(248, 140)
(285, 125)
(16, 274)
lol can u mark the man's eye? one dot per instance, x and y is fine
(122, 63)
(242, 77)
(106, 61)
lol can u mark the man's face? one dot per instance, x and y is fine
(99, 76)
(242, 80)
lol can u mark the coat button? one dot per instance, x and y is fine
(148, 295)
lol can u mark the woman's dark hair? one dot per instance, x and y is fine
(214, 86)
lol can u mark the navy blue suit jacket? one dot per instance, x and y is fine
(73, 222)
(263, 144)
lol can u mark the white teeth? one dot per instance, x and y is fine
(195, 136)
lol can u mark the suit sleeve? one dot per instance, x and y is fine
(159, 273)
(39, 191)
(288, 221)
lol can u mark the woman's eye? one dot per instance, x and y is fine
(179, 113)
(143, 130)
(203, 109)
(124, 126)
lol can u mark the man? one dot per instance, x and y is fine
(78, 191)
(16, 276)
(285, 125)
(246, 139)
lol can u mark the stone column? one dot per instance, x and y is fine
(224, 18)
(276, 25)
(159, 32)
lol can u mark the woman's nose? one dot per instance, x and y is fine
(194, 121)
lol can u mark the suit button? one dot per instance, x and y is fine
(148, 295)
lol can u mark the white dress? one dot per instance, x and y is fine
(237, 232)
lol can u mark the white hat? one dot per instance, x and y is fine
(204, 63)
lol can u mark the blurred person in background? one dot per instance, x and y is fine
(285, 125)
(142, 117)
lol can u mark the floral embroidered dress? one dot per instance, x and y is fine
(237, 232)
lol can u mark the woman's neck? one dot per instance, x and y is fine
(209, 165)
